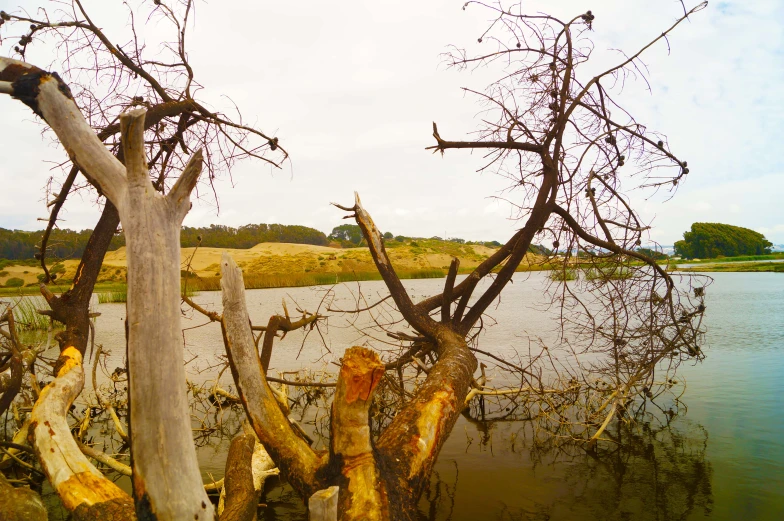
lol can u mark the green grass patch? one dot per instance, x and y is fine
(563, 275)
(26, 313)
(14, 282)
(741, 258)
(113, 297)
(740, 267)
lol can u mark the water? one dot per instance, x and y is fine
(727, 464)
(722, 460)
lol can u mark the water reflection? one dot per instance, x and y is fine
(492, 470)
(648, 471)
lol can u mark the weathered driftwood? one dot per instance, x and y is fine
(289, 451)
(351, 463)
(160, 419)
(20, 438)
(239, 499)
(83, 490)
(247, 467)
(160, 429)
(102, 457)
(323, 504)
(363, 493)
(20, 504)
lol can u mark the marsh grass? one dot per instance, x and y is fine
(26, 313)
(609, 273)
(740, 258)
(256, 281)
(748, 267)
(112, 297)
(563, 275)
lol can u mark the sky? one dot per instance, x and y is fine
(351, 90)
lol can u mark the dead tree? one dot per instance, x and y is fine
(119, 80)
(561, 139)
(176, 123)
(160, 431)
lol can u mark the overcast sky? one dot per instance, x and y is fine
(352, 89)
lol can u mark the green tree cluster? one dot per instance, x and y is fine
(244, 237)
(710, 240)
(347, 235)
(63, 243)
(654, 254)
(70, 244)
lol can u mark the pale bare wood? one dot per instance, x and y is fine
(160, 419)
(102, 457)
(54, 104)
(247, 468)
(292, 454)
(161, 437)
(323, 505)
(20, 438)
(81, 487)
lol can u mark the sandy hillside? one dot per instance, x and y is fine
(284, 258)
(290, 259)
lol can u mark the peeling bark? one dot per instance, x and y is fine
(363, 493)
(409, 446)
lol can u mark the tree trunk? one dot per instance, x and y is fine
(373, 484)
(72, 307)
(247, 467)
(294, 457)
(363, 493)
(241, 497)
(166, 477)
(160, 424)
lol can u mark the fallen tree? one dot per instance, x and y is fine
(556, 136)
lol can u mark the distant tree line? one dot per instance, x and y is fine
(69, 244)
(63, 243)
(710, 240)
(244, 237)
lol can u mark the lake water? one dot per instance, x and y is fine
(721, 460)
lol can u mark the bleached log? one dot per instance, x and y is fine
(247, 467)
(102, 457)
(323, 505)
(160, 424)
(20, 438)
(166, 478)
(82, 488)
(292, 454)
